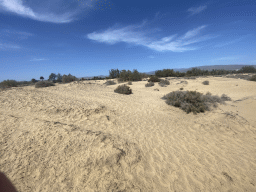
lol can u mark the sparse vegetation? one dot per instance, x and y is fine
(43, 84)
(110, 82)
(181, 88)
(205, 83)
(8, 83)
(253, 78)
(154, 79)
(149, 84)
(192, 101)
(129, 83)
(164, 83)
(123, 89)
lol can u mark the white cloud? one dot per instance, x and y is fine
(15, 34)
(55, 13)
(196, 10)
(132, 35)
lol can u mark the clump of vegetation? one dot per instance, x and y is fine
(126, 75)
(181, 88)
(44, 84)
(8, 83)
(123, 89)
(119, 80)
(253, 78)
(164, 83)
(129, 83)
(192, 101)
(150, 84)
(224, 97)
(110, 83)
(205, 83)
(154, 79)
(68, 78)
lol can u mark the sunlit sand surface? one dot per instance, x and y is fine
(85, 137)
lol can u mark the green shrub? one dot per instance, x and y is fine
(253, 78)
(110, 83)
(33, 80)
(192, 101)
(150, 84)
(8, 83)
(123, 89)
(205, 83)
(129, 83)
(154, 79)
(164, 83)
(44, 84)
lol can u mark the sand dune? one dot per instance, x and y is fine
(85, 137)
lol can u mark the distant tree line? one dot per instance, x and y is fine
(200, 72)
(127, 75)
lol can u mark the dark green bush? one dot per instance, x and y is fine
(192, 101)
(253, 78)
(154, 79)
(164, 83)
(123, 89)
(150, 84)
(8, 83)
(205, 83)
(68, 78)
(110, 83)
(44, 84)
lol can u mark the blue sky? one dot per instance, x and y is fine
(90, 37)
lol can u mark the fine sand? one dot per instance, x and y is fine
(85, 137)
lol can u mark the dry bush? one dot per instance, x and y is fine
(123, 89)
(119, 80)
(224, 97)
(205, 83)
(129, 83)
(192, 101)
(43, 84)
(181, 88)
(164, 83)
(253, 78)
(110, 83)
(150, 84)
(154, 79)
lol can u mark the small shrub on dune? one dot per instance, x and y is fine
(164, 83)
(154, 79)
(205, 83)
(253, 78)
(123, 89)
(129, 83)
(44, 84)
(192, 101)
(224, 97)
(110, 83)
(120, 80)
(150, 84)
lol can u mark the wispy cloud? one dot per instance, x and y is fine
(136, 35)
(41, 11)
(151, 57)
(35, 59)
(196, 10)
(7, 46)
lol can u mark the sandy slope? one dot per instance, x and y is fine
(85, 137)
